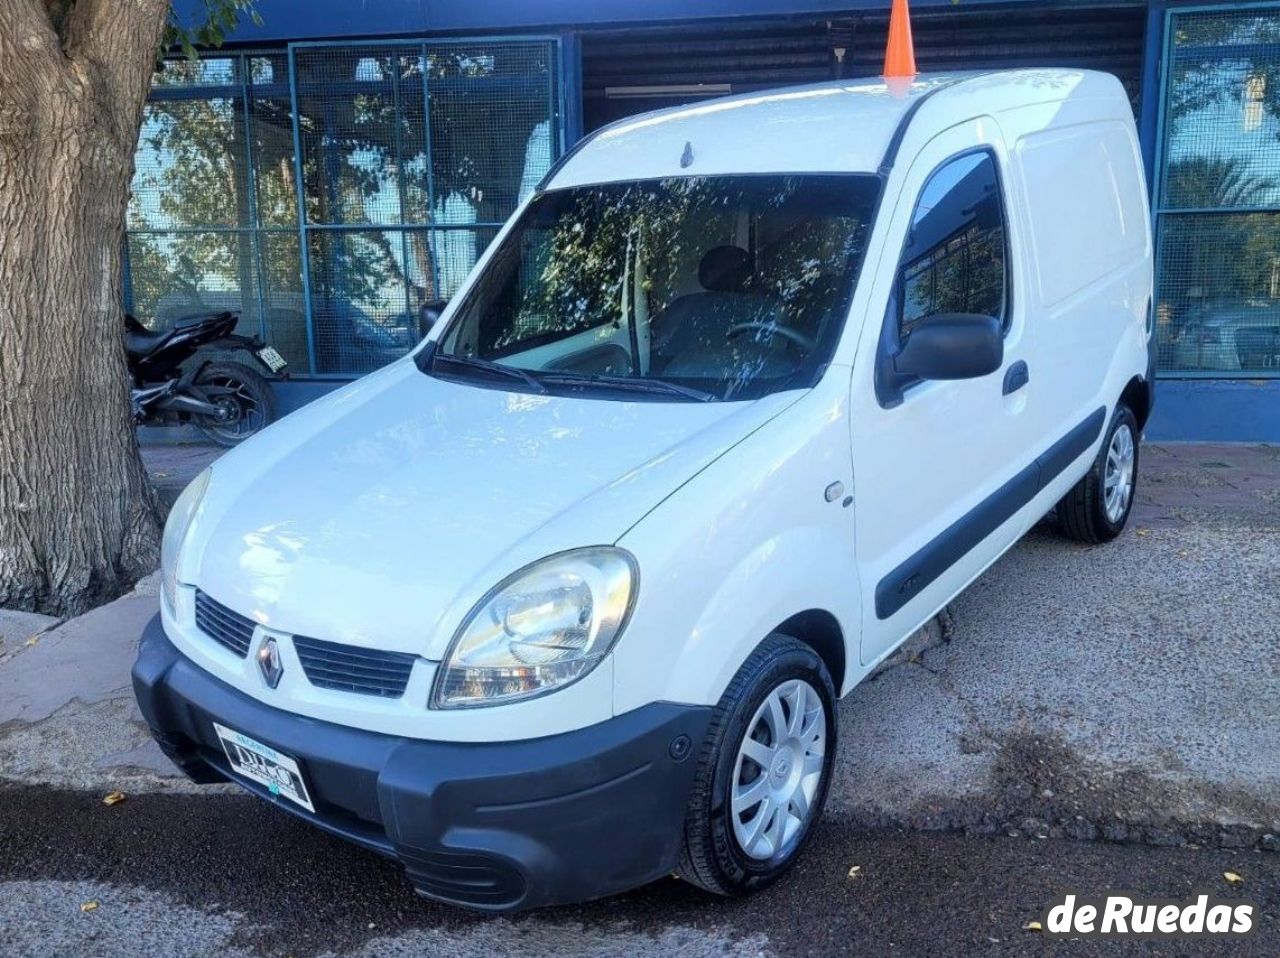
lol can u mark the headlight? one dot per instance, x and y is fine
(175, 533)
(541, 629)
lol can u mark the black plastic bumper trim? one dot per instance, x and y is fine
(495, 826)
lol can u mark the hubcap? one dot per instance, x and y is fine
(778, 769)
(228, 410)
(1117, 482)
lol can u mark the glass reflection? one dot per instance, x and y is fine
(727, 286)
(1218, 275)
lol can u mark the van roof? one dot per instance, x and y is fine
(838, 126)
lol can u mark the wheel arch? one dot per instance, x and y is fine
(820, 630)
(1137, 396)
(779, 586)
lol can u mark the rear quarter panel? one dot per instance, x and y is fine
(1083, 210)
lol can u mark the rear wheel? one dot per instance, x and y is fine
(764, 771)
(244, 399)
(1098, 506)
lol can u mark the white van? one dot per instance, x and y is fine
(740, 397)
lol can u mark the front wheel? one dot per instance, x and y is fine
(1097, 507)
(764, 770)
(245, 402)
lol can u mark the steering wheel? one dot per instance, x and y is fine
(773, 329)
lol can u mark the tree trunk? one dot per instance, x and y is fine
(78, 519)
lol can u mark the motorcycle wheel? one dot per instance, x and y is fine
(247, 404)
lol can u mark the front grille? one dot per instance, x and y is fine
(348, 668)
(229, 629)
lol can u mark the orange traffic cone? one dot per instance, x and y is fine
(899, 54)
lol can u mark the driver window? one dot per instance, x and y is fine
(954, 257)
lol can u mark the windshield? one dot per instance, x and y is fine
(690, 288)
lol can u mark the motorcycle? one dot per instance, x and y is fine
(227, 400)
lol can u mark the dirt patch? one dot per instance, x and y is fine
(1039, 787)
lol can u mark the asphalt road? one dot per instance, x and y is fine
(228, 875)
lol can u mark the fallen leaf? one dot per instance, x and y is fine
(33, 640)
(1032, 926)
(1233, 878)
(855, 871)
(89, 906)
(113, 798)
(1144, 532)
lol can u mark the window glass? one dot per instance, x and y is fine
(1217, 307)
(212, 219)
(413, 154)
(953, 261)
(734, 286)
(1222, 114)
(356, 135)
(491, 127)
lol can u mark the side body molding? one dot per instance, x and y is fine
(906, 581)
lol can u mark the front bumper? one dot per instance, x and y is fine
(496, 826)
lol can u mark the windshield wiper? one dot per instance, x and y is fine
(496, 369)
(635, 384)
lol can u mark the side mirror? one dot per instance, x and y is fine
(952, 346)
(430, 314)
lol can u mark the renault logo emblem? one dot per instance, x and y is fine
(269, 661)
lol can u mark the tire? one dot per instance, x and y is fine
(1085, 513)
(714, 857)
(235, 384)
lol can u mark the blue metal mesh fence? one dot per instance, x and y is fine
(407, 157)
(491, 111)
(1218, 269)
(213, 209)
(412, 155)
(457, 250)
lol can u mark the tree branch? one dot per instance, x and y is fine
(31, 65)
(112, 45)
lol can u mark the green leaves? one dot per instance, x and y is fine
(220, 18)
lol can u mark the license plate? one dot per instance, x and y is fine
(264, 765)
(272, 359)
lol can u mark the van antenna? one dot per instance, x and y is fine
(899, 53)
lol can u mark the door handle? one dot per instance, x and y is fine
(1015, 377)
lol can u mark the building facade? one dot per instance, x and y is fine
(336, 169)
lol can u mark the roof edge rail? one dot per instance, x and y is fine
(900, 131)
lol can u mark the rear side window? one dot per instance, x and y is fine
(954, 257)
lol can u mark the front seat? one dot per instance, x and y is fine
(697, 325)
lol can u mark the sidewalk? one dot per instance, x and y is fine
(1129, 692)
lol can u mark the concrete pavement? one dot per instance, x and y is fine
(1128, 692)
(67, 713)
(17, 629)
